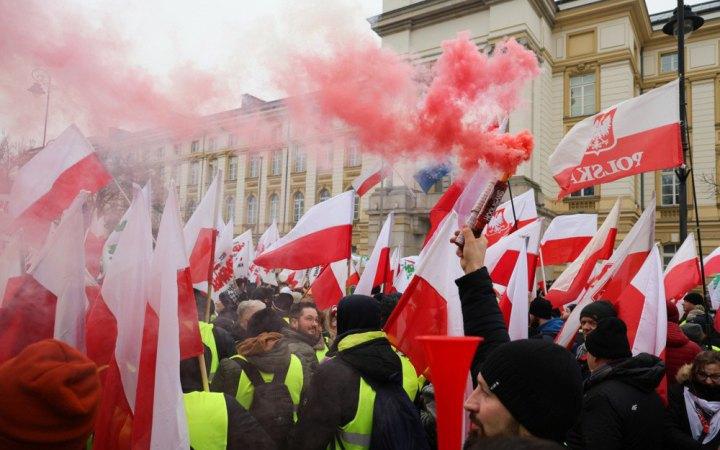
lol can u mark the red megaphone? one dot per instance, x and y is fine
(449, 359)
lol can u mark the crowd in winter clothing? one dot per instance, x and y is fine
(284, 375)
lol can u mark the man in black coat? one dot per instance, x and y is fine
(621, 409)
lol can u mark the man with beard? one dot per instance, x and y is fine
(303, 334)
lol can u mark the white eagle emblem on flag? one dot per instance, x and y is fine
(603, 137)
(497, 223)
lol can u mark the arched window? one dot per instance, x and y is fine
(252, 210)
(323, 195)
(298, 206)
(274, 208)
(230, 207)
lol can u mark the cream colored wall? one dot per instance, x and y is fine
(703, 139)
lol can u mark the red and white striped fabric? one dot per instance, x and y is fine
(46, 185)
(500, 259)
(293, 278)
(168, 424)
(353, 275)
(514, 302)
(711, 263)
(503, 222)
(330, 286)
(566, 237)
(377, 269)
(201, 232)
(642, 307)
(321, 236)
(430, 305)
(394, 269)
(369, 178)
(682, 273)
(638, 135)
(616, 273)
(574, 279)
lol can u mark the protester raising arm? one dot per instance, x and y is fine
(481, 313)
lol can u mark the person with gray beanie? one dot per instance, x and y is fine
(621, 409)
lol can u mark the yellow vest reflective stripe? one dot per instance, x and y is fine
(293, 381)
(208, 338)
(207, 420)
(320, 354)
(356, 434)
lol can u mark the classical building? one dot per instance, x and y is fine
(593, 54)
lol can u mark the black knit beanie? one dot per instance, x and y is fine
(609, 340)
(539, 383)
(358, 312)
(598, 310)
(694, 298)
(541, 308)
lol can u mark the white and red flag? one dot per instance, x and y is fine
(223, 270)
(201, 232)
(370, 177)
(682, 273)
(295, 279)
(111, 242)
(46, 185)
(503, 222)
(711, 263)
(330, 286)
(431, 304)
(260, 274)
(321, 236)
(406, 270)
(353, 275)
(638, 135)
(642, 307)
(566, 237)
(514, 302)
(500, 259)
(574, 279)
(394, 270)
(377, 270)
(243, 254)
(94, 243)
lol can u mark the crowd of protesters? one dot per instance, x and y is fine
(284, 375)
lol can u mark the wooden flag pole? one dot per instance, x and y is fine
(542, 269)
(203, 371)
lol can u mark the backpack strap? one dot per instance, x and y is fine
(252, 372)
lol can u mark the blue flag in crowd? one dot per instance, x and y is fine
(428, 176)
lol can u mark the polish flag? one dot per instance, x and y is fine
(430, 304)
(125, 292)
(260, 274)
(164, 424)
(370, 178)
(616, 273)
(201, 232)
(312, 274)
(574, 279)
(353, 276)
(46, 185)
(377, 270)
(394, 270)
(293, 278)
(94, 243)
(638, 135)
(321, 236)
(500, 259)
(443, 207)
(243, 254)
(683, 271)
(112, 240)
(503, 223)
(514, 303)
(223, 270)
(712, 263)
(330, 286)
(642, 307)
(566, 237)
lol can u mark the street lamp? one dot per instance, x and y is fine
(691, 22)
(41, 86)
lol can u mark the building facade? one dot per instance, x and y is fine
(593, 54)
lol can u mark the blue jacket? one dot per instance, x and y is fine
(549, 329)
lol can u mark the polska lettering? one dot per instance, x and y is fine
(599, 171)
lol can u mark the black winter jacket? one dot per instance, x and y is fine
(621, 409)
(481, 315)
(677, 425)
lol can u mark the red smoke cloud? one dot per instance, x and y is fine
(382, 98)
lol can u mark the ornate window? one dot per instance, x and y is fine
(299, 159)
(232, 168)
(669, 188)
(276, 168)
(323, 195)
(252, 210)
(582, 94)
(230, 207)
(298, 206)
(274, 208)
(585, 192)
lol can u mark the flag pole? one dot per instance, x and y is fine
(542, 269)
(512, 206)
(412, 192)
(122, 191)
(213, 241)
(203, 371)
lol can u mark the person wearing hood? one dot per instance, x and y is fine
(590, 316)
(679, 350)
(692, 419)
(260, 358)
(303, 335)
(690, 301)
(341, 407)
(542, 324)
(621, 409)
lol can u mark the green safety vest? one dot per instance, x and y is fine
(356, 434)
(320, 354)
(293, 381)
(208, 338)
(207, 420)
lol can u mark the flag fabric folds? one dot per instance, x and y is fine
(428, 176)
(638, 135)
(711, 263)
(566, 237)
(330, 286)
(201, 232)
(503, 222)
(500, 259)
(514, 303)
(682, 273)
(378, 270)
(369, 178)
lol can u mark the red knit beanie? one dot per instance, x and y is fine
(673, 315)
(49, 395)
